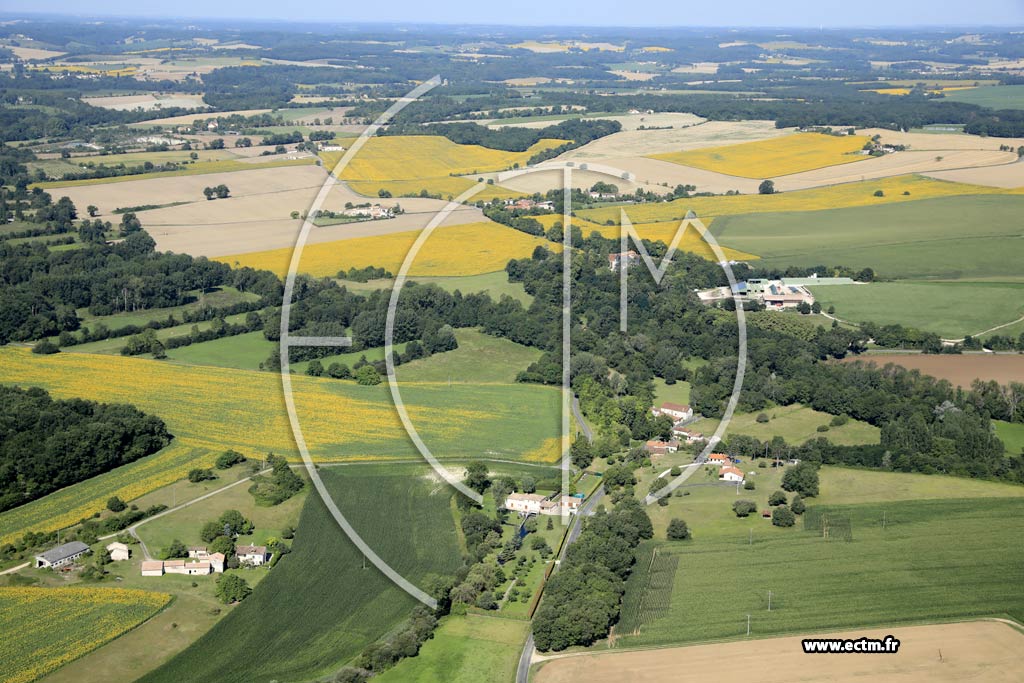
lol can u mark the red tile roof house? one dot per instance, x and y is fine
(661, 447)
(688, 434)
(719, 459)
(628, 256)
(730, 474)
(674, 410)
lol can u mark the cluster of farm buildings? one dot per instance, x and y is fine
(201, 561)
(681, 416)
(538, 504)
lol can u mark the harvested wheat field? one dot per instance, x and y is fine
(633, 75)
(978, 651)
(939, 141)
(958, 369)
(631, 143)
(897, 163)
(471, 249)
(1008, 176)
(629, 122)
(697, 68)
(263, 221)
(189, 188)
(775, 157)
(187, 119)
(147, 101)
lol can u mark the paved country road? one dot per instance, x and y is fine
(523, 670)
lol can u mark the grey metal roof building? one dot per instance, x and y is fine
(62, 554)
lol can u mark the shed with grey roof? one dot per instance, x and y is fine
(62, 554)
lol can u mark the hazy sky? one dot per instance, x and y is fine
(660, 13)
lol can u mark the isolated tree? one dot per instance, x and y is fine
(208, 193)
(222, 191)
(92, 210)
(315, 368)
(777, 498)
(477, 476)
(339, 371)
(228, 459)
(367, 376)
(802, 479)
(797, 505)
(115, 504)
(783, 516)
(175, 549)
(744, 508)
(217, 143)
(678, 530)
(232, 588)
(766, 187)
(199, 474)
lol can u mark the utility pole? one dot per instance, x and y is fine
(748, 624)
(751, 542)
(883, 520)
(769, 601)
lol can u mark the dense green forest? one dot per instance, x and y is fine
(47, 444)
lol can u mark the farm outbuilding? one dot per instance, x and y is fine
(62, 555)
(119, 551)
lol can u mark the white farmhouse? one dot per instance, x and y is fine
(252, 554)
(675, 411)
(525, 503)
(730, 474)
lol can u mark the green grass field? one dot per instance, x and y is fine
(318, 608)
(480, 358)
(994, 96)
(910, 571)
(113, 345)
(496, 284)
(951, 309)
(675, 393)
(1012, 436)
(218, 298)
(707, 506)
(463, 647)
(242, 351)
(950, 237)
(796, 424)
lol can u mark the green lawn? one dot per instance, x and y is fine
(908, 571)
(480, 358)
(1012, 436)
(994, 96)
(464, 649)
(114, 345)
(796, 424)
(496, 284)
(243, 351)
(949, 237)
(319, 607)
(951, 309)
